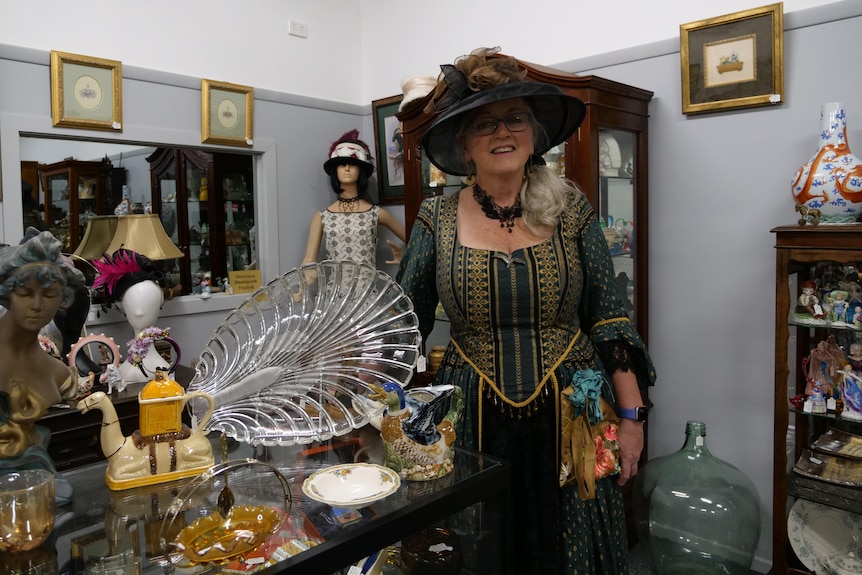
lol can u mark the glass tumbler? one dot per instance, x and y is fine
(26, 509)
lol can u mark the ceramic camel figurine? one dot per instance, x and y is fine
(144, 460)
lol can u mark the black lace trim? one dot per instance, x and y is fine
(616, 355)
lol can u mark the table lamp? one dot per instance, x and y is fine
(100, 231)
(144, 234)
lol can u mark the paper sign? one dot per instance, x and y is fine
(245, 281)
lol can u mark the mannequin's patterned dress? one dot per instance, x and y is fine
(351, 236)
(521, 325)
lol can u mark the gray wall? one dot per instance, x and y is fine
(718, 183)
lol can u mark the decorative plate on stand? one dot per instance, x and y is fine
(819, 532)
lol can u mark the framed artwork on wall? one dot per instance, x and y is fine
(227, 113)
(389, 149)
(733, 61)
(86, 92)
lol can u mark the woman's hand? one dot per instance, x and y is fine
(631, 440)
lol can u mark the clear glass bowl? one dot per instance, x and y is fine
(201, 529)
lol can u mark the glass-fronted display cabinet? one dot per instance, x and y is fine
(73, 191)
(817, 443)
(606, 157)
(206, 204)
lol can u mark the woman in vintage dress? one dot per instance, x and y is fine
(523, 271)
(350, 224)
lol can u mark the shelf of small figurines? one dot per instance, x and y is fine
(832, 372)
(853, 324)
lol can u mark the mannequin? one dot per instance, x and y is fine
(350, 224)
(35, 281)
(131, 280)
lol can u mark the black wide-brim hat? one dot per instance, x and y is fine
(556, 112)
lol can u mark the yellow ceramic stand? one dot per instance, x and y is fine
(120, 484)
(163, 449)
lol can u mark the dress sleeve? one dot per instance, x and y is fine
(601, 310)
(417, 273)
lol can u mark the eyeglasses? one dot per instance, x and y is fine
(514, 122)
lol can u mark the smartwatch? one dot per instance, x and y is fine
(638, 413)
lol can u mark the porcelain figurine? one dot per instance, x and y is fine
(414, 446)
(808, 308)
(851, 394)
(164, 448)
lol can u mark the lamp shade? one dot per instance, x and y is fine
(97, 237)
(144, 234)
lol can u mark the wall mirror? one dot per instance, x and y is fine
(205, 199)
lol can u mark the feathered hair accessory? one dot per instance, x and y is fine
(121, 270)
(479, 70)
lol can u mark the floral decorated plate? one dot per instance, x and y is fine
(818, 532)
(352, 485)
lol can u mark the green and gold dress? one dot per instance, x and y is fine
(521, 325)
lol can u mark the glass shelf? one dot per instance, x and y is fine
(102, 523)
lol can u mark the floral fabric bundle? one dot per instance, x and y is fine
(589, 426)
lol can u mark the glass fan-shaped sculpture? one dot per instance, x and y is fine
(296, 362)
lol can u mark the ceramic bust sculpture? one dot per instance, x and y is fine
(131, 280)
(35, 281)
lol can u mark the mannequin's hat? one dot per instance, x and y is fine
(349, 149)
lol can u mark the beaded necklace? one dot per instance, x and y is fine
(348, 204)
(506, 214)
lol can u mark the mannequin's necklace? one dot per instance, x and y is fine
(348, 204)
(506, 214)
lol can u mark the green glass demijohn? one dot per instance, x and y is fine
(696, 514)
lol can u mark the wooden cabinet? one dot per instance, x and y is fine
(73, 191)
(206, 204)
(606, 157)
(831, 258)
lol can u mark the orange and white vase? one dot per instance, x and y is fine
(831, 181)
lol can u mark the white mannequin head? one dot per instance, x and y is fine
(142, 303)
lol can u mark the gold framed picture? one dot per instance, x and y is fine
(733, 61)
(86, 92)
(227, 113)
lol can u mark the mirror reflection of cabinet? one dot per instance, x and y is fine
(73, 191)
(206, 204)
(606, 157)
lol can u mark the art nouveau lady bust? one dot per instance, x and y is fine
(35, 281)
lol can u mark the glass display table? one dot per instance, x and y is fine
(121, 528)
